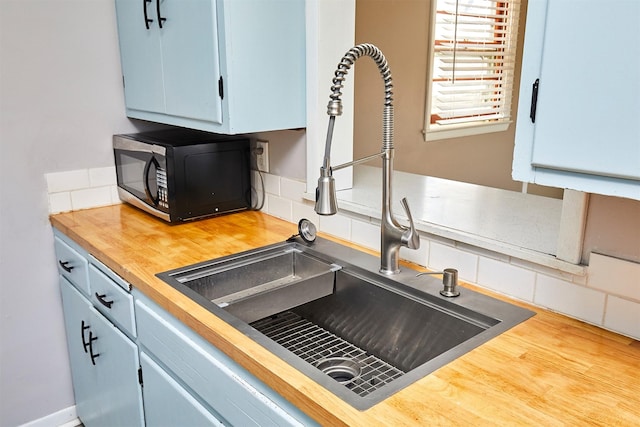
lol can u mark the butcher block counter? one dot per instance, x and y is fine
(549, 370)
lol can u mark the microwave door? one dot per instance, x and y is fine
(137, 174)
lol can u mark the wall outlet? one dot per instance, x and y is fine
(262, 155)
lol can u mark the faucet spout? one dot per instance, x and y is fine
(392, 234)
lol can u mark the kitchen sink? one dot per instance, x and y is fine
(261, 283)
(324, 309)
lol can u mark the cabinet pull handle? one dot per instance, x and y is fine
(160, 18)
(85, 344)
(93, 356)
(147, 21)
(147, 188)
(65, 266)
(534, 101)
(103, 301)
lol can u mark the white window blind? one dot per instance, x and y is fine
(473, 60)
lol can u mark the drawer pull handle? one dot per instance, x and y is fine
(65, 266)
(93, 356)
(85, 344)
(103, 301)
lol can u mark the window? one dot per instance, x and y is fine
(470, 81)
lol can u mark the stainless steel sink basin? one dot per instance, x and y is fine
(261, 283)
(324, 309)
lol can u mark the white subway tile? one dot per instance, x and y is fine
(280, 207)
(305, 210)
(90, 198)
(623, 316)
(506, 278)
(548, 271)
(571, 299)
(256, 181)
(59, 202)
(271, 183)
(292, 190)
(257, 191)
(115, 198)
(337, 225)
(614, 276)
(442, 256)
(100, 177)
(482, 252)
(439, 239)
(579, 280)
(418, 256)
(265, 205)
(365, 234)
(67, 181)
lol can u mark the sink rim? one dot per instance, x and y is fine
(405, 283)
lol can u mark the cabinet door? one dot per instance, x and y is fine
(117, 363)
(140, 55)
(167, 403)
(238, 397)
(77, 315)
(586, 134)
(587, 119)
(190, 61)
(106, 385)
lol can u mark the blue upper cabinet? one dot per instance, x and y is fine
(582, 62)
(225, 66)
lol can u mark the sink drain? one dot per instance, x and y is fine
(350, 366)
(340, 369)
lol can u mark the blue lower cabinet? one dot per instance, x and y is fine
(77, 316)
(104, 365)
(167, 403)
(232, 394)
(134, 364)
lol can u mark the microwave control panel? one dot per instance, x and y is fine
(163, 194)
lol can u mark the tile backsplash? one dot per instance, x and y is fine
(81, 189)
(608, 295)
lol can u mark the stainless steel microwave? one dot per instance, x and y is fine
(181, 174)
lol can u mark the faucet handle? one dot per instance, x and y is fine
(410, 237)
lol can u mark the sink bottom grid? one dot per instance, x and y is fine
(316, 346)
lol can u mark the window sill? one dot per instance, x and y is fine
(436, 134)
(521, 225)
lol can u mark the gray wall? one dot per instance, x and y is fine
(60, 102)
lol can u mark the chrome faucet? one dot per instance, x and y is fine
(392, 234)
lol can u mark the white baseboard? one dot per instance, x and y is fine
(64, 418)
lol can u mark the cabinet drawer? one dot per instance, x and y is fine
(112, 301)
(230, 390)
(72, 264)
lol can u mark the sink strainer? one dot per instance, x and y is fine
(350, 366)
(340, 369)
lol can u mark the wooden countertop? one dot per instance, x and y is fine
(549, 370)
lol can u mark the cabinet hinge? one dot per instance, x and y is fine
(221, 88)
(140, 376)
(123, 85)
